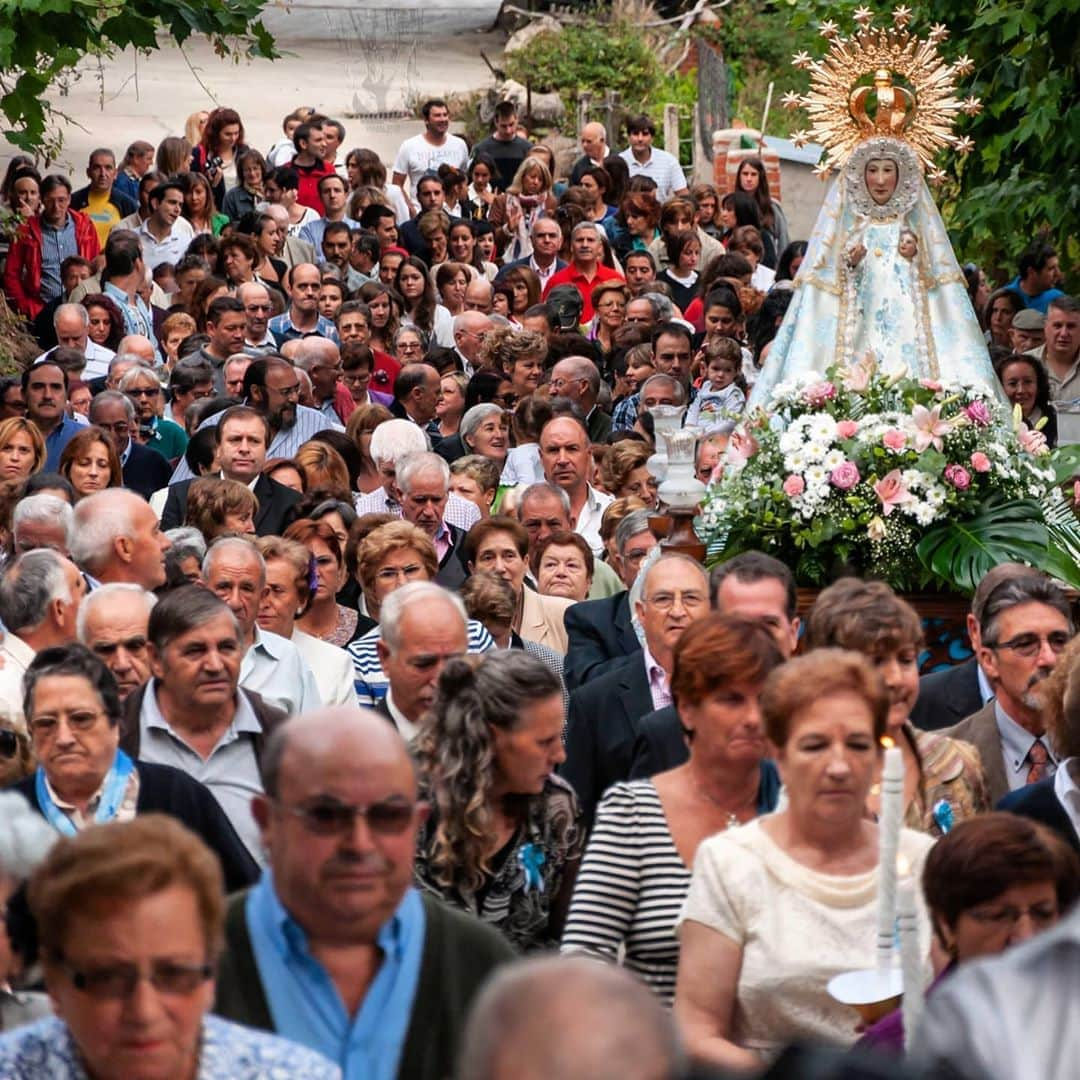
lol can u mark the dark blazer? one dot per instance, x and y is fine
(459, 954)
(600, 634)
(452, 570)
(601, 730)
(559, 265)
(599, 425)
(269, 717)
(980, 729)
(145, 470)
(165, 790)
(450, 448)
(659, 745)
(1039, 802)
(947, 697)
(275, 514)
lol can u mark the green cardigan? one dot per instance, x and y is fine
(460, 953)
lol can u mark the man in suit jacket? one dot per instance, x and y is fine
(424, 481)
(544, 261)
(242, 436)
(1024, 626)
(600, 633)
(947, 697)
(605, 714)
(452, 569)
(659, 745)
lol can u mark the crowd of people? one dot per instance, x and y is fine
(355, 456)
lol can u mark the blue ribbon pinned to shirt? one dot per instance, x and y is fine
(531, 857)
(943, 816)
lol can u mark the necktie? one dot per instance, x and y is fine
(1037, 758)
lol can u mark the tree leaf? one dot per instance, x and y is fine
(962, 552)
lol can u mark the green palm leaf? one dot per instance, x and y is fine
(962, 552)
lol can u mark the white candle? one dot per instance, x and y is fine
(910, 953)
(889, 822)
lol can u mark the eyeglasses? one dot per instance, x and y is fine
(118, 982)
(144, 391)
(388, 575)
(9, 743)
(328, 817)
(1029, 645)
(76, 721)
(122, 427)
(665, 601)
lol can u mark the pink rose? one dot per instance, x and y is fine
(794, 486)
(894, 439)
(958, 476)
(892, 491)
(816, 394)
(846, 429)
(845, 476)
(930, 384)
(980, 462)
(978, 414)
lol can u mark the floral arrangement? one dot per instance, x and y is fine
(921, 484)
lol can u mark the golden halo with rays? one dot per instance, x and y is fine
(921, 111)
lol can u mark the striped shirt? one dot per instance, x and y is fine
(630, 888)
(459, 512)
(371, 680)
(284, 444)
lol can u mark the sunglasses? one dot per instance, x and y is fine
(331, 818)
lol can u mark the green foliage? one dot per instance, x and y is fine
(679, 89)
(1021, 181)
(40, 40)
(596, 58)
(962, 552)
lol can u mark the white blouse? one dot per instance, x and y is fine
(797, 928)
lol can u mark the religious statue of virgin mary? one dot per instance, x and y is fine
(880, 280)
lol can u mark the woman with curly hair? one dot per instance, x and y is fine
(504, 838)
(106, 326)
(218, 152)
(623, 472)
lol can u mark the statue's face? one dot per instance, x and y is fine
(881, 179)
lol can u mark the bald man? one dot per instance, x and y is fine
(569, 1018)
(335, 948)
(470, 329)
(595, 149)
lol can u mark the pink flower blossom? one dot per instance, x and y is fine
(930, 428)
(1034, 442)
(743, 445)
(1076, 491)
(816, 394)
(856, 377)
(876, 529)
(845, 476)
(894, 439)
(958, 476)
(794, 486)
(980, 462)
(847, 429)
(930, 384)
(892, 491)
(978, 414)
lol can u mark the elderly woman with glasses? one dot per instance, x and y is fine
(83, 778)
(131, 922)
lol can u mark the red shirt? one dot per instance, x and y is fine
(571, 275)
(310, 175)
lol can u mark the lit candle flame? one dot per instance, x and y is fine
(903, 866)
(887, 743)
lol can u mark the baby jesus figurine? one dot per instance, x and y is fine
(908, 247)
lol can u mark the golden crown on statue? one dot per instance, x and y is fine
(883, 81)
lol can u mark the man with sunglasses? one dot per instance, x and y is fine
(335, 948)
(1024, 627)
